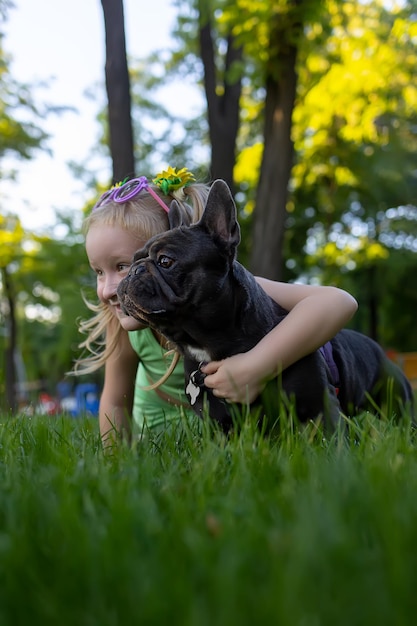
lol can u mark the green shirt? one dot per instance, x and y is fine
(156, 407)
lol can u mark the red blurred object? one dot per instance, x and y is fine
(47, 404)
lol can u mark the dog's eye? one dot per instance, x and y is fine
(165, 261)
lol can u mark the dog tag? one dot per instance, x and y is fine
(192, 389)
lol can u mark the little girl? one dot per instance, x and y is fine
(143, 379)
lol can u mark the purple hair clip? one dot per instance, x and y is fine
(126, 191)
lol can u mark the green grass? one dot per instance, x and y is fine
(187, 529)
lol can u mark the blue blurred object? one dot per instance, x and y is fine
(85, 401)
(63, 389)
(87, 397)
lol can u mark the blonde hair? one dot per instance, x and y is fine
(143, 217)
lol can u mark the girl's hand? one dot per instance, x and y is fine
(233, 379)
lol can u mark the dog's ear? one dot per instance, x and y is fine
(219, 216)
(178, 216)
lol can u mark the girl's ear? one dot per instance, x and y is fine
(178, 216)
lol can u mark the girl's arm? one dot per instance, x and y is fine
(316, 314)
(116, 400)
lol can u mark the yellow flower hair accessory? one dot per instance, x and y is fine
(172, 179)
(120, 183)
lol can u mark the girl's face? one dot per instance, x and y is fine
(110, 250)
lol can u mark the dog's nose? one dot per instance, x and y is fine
(135, 269)
(131, 271)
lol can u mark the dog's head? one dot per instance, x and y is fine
(183, 270)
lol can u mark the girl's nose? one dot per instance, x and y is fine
(110, 288)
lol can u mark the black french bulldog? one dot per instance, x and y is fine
(187, 285)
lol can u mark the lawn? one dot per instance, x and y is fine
(189, 529)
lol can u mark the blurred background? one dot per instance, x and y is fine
(308, 109)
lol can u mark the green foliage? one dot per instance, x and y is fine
(353, 127)
(17, 136)
(47, 275)
(187, 529)
(355, 149)
(399, 302)
(11, 239)
(355, 142)
(52, 292)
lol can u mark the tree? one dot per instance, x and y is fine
(118, 91)
(223, 91)
(50, 281)
(21, 139)
(11, 237)
(265, 37)
(276, 165)
(42, 279)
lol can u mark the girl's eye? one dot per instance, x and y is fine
(165, 261)
(122, 267)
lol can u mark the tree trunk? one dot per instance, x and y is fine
(10, 349)
(271, 199)
(223, 110)
(118, 91)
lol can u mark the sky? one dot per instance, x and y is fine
(62, 42)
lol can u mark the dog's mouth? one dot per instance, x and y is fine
(132, 308)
